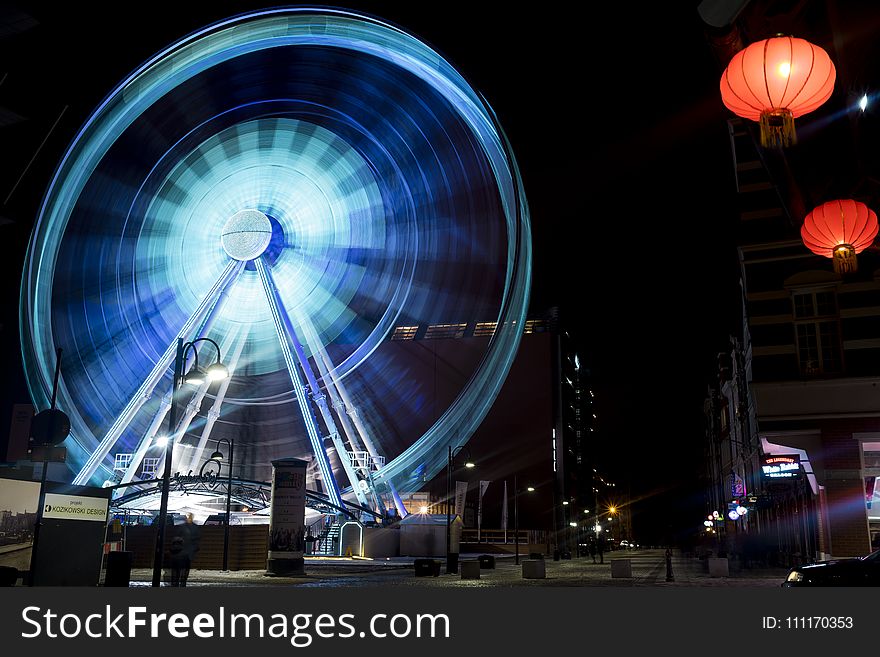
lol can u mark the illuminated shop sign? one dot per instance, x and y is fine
(779, 466)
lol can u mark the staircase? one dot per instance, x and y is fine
(328, 541)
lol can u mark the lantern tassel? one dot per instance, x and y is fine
(777, 129)
(845, 259)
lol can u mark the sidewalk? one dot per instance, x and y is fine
(648, 570)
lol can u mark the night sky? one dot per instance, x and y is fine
(617, 124)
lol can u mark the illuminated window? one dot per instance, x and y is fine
(485, 329)
(441, 331)
(535, 326)
(404, 333)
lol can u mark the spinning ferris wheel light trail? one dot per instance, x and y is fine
(295, 184)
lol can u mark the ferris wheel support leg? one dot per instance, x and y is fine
(299, 389)
(205, 311)
(146, 442)
(337, 398)
(398, 503)
(214, 412)
(318, 397)
(192, 408)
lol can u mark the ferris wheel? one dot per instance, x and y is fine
(301, 186)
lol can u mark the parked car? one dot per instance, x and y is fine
(860, 571)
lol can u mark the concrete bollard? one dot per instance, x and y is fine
(621, 568)
(534, 569)
(718, 567)
(470, 569)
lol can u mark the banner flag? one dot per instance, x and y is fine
(483, 486)
(460, 494)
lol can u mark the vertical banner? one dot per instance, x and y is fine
(504, 511)
(483, 486)
(869, 490)
(460, 495)
(287, 519)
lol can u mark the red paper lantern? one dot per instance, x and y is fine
(840, 230)
(776, 80)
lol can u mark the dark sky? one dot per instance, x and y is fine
(617, 124)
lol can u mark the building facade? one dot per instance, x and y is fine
(809, 347)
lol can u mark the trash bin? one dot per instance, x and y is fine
(555, 555)
(118, 569)
(8, 575)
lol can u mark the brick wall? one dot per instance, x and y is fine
(845, 515)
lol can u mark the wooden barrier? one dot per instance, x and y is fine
(248, 546)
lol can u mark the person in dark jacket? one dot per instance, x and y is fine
(183, 547)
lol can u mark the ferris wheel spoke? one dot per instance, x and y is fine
(203, 316)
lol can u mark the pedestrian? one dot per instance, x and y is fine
(600, 547)
(592, 548)
(183, 548)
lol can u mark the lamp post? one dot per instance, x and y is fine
(565, 525)
(450, 567)
(218, 456)
(516, 492)
(612, 516)
(197, 376)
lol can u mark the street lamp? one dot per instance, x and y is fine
(215, 372)
(218, 456)
(450, 566)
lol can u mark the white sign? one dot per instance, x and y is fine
(75, 507)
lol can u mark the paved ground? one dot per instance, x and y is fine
(17, 555)
(648, 569)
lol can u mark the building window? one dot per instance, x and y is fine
(485, 329)
(817, 332)
(404, 333)
(445, 331)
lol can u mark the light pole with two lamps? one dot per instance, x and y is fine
(452, 564)
(218, 456)
(196, 376)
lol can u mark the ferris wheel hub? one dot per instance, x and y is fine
(246, 235)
